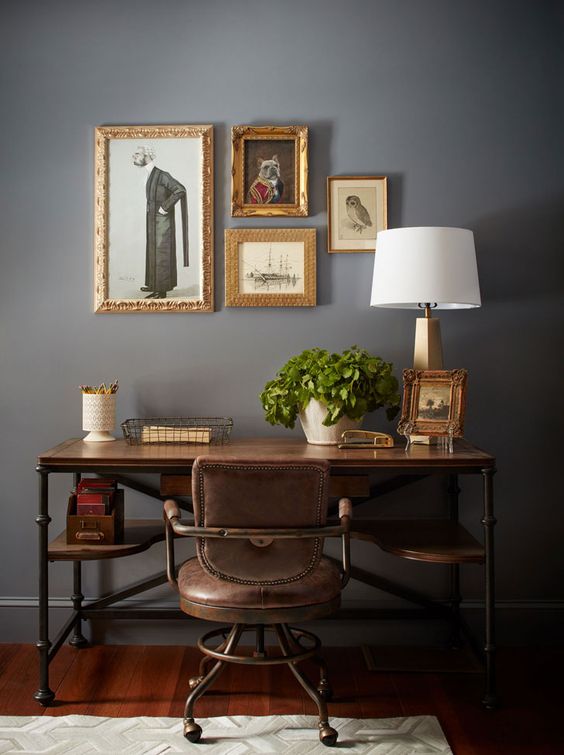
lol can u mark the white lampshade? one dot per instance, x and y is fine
(415, 266)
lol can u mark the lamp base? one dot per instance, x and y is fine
(427, 355)
(428, 352)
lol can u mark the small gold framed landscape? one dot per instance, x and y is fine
(434, 403)
(154, 219)
(269, 171)
(270, 267)
(357, 208)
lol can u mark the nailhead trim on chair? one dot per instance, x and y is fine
(202, 541)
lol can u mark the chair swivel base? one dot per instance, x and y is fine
(293, 652)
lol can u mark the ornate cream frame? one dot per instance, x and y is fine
(242, 134)
(413, 381)
(334, 180)
(234, 236)
(102, 302)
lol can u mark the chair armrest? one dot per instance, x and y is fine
(171, 510)
(248, 533)
(174, 526)
(345, 515)
(171, 513)
(345, 508)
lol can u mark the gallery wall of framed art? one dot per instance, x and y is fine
(154, 218)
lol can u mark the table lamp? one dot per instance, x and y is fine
(426, 268)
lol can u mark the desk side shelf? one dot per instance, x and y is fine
(439, 541)
(139, 535)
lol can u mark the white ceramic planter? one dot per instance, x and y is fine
(98, 415)
(316, 432)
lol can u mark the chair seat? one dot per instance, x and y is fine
(207, 597)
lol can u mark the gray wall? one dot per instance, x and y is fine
(460, 104)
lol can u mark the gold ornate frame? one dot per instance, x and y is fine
(103, 136)
(413, 381)
(382, 221)
(235, 236)
(240, 135)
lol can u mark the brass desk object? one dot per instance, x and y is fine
(365, 439)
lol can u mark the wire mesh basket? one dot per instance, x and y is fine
(184, 430)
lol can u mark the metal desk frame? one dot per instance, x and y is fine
(118, 459)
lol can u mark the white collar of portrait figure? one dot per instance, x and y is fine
(149, 168)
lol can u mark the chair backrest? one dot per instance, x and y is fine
(259, 493)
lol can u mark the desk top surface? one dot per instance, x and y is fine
(119, 454)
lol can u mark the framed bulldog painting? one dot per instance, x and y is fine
(154, 219)
(270, 267)
(356, 209)
(269, 171)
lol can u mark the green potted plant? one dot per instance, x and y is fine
(330, 392)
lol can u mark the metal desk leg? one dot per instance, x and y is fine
(44, 694)
(455, 640)
(490, 699)
(78, 640)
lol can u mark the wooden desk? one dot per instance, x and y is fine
(433, 540)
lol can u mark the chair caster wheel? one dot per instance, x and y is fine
(194, 681)
(327, 735)
(192, 731)
(324, 690)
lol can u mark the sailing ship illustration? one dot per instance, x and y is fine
(270, 275)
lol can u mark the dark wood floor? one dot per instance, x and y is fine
(152, 681)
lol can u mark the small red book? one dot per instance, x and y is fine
(91, 509)
(94, 503)
(87, 495)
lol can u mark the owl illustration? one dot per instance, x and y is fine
(358, 213)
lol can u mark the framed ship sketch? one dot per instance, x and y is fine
(270, 267)
(154, 219)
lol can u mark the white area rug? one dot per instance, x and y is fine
(235, 735)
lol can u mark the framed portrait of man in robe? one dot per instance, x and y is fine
(154, 219)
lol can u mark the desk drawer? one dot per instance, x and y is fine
(345, 485)
(95, 529)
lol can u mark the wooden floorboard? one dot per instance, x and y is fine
(287, 697)
(249, 692)
(153, 681)
(376, 693)
(109, 694)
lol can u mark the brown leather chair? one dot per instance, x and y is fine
(260, 527)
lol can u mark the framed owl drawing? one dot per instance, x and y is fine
(357, 209)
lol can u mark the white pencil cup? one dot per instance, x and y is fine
(98, 415)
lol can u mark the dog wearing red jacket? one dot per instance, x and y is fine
(268, 187)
